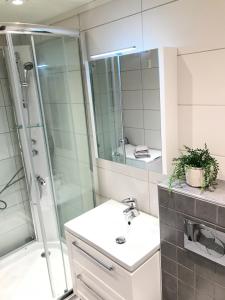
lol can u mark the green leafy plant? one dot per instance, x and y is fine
(197, 158)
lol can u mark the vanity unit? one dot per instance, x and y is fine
(111, 259)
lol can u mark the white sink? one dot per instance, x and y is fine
(101, 226)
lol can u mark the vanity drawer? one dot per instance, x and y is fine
(89, 287)
(116, 277)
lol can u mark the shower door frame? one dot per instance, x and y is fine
(18, 98)
(17, 95)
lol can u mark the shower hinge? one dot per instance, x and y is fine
(68, 295)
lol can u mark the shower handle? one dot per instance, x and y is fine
(41, 183)
(41, 180)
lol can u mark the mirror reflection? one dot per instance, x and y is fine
(126, 102)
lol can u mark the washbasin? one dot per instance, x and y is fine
(101, 226)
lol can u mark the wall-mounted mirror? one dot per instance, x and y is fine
(127, 96)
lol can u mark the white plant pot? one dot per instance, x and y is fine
(194, 176)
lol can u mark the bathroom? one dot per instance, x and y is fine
(97, 97)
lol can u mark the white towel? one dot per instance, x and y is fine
(141, 148)
(154, 154)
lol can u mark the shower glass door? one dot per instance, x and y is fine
(50, 110)
(63, 111)
(59, 81)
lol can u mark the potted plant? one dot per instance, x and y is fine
(195, 166)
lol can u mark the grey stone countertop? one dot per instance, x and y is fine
(216, 196)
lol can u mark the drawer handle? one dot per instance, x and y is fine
(99, 262)
(89, 288)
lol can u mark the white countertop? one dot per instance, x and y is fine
(216, 197)
(100, 227)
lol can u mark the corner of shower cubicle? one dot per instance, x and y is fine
(48, 94)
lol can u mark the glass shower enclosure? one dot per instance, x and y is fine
(47, 111)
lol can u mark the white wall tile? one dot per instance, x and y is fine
(3, 73)
(161, 29)
(12, 195)
(130, 62)
(154, 202)
(150, 78)
(14, 145)
(151, 99)
(131, 80)
(75, 87)
(5, 142)
(152, 119)
(108, 180)
(107, 13)
(201, 78)
(100, 199)
(13, 218)
(204, 123)
(79, 119)
(149, 59)
(82, 148)
(132, 99)
(61, 116)
(127, 170)
(14, 239)
(10, 118)
(3, 120)
(6, 92)
(221, 161)
(146, 4)
(185, 119)
(134, 135)
(123, 33)
(72, 23)
(153, 139)
(1, 96)
(133, 118)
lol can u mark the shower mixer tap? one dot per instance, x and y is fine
(34, 152)
(40, 180)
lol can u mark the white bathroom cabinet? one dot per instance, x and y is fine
(95, 276)
(103, 269)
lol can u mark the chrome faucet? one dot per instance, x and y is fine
(132, 210)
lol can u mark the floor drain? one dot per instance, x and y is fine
(43, 254)
(121, 240)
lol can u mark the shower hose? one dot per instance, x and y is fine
(3, 204)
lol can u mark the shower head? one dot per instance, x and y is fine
(27, 67)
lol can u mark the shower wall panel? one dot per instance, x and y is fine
(64, 110)
(16, 226)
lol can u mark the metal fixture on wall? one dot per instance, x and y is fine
(205, 241)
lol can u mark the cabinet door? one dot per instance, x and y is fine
(92, 288)
(103, 268)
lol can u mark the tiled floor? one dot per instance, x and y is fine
(24, 274)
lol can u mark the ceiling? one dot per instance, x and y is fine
(37, 11)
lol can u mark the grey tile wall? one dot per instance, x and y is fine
(186, 275)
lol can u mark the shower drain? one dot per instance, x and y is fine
(43, 254)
